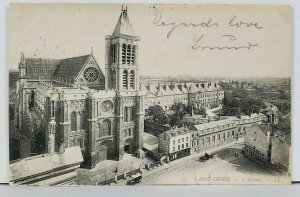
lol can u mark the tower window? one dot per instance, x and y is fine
(132, 113)
(128, 54)
(132, 75)
(113, 53)
(133, 55)
(113, 78)
(123, 53)
(125, 81)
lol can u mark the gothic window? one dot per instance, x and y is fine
(52, 108)
(97, 108)
(126, 114)
(133, 55)
(132, 75)
(73, 121)
(113, 78)
(82, 122)
(123, 53)
(131, 113)
(128, 54)
(105, 128)
(125, 81)
(129, 132)
(113, 53)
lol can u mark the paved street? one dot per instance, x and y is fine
(225, 168)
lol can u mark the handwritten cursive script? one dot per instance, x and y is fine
(158, 22)
(198, 45)
(234, 22)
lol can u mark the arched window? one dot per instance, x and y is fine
(133, 55)
(132, 113)
(113, 78)
(123, 53)
(129, 132)
(132, 75)
(128, 54)
(52, 108)
(125, 81)
(113, 53)
(126, 114)
(105, 128)
(82, 121)
(73, 121)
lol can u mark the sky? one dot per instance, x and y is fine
(63, 31)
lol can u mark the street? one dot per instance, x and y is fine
(225, 168)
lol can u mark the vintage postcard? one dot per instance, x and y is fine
(111, 94)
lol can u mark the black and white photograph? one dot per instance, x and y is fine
(149, 94)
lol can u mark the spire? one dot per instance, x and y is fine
(22, 58)
(123, 26)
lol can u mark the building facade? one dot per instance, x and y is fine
(80, 106)
(199, 95)
(181, 142)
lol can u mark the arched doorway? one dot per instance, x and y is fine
(128, 146)
(106, 150)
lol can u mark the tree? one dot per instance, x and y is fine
(158, 114)
(180, 110)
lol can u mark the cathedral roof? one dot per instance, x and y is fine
(123, 26)
(40, 68)
(70, 67)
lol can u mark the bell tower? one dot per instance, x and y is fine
(121, 64)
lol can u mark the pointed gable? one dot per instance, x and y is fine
(123, 26)
(69, 68)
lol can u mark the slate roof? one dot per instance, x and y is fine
(40, 68)
(123, 26)
(70, 67)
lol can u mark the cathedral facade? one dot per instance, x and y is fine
(80, 106)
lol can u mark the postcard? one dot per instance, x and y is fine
(142, 94)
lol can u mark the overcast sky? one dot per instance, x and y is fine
(63, 31)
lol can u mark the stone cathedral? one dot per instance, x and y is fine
(80, 106)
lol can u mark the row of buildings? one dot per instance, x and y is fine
(199, 95)
(191, 139)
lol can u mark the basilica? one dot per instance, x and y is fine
(80, 105)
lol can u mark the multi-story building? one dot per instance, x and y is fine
(199, 95)
(79, 106)
(175, 143)
(212, 134)
(258, 143)
(185, 141)
(268, 147)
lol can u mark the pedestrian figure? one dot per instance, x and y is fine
(125, 174)
(140, 169)
(116, 177)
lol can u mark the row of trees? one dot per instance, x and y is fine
(237, 103)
